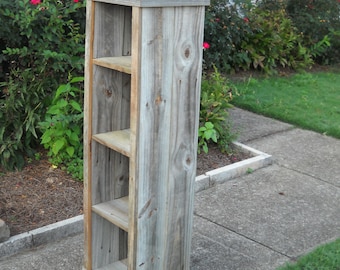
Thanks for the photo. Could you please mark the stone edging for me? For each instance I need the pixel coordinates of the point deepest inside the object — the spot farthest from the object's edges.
(43, 235)
(223, 174)
(72, 226)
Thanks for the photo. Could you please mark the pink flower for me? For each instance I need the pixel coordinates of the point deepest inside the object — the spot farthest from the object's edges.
(206, 45)
(246, 19)
(35, 2)
(218, 19)
(76, 1)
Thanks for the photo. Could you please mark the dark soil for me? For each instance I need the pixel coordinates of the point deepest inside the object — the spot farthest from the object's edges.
(41, 194)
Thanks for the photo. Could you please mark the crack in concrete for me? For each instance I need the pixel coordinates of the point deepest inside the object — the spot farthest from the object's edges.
(245, 236)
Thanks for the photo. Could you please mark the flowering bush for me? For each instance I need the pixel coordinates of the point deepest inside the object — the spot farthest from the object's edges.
(41, 42)
(225, 31)
(263, 34)
(316, 19)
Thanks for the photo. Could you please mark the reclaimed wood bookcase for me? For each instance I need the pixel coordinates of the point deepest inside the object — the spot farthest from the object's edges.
(142, 89)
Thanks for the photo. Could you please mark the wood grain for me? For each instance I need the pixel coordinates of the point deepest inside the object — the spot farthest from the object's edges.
(108, 109)
(159, 102)
(166, 106)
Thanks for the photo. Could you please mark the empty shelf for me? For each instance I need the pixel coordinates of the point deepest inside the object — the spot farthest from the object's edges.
(117, 140)
(115, 211)
(122, 63)
(120, 265)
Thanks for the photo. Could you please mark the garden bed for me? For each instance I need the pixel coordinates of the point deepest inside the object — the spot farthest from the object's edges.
(40, 194)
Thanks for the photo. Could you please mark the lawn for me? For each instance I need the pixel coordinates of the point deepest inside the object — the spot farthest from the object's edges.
(325, 257)
(307, 100)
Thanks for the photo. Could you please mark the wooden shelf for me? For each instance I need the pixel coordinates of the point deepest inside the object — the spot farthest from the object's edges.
(116, 140)
(120, 265)
(115, 211)
(122, 63)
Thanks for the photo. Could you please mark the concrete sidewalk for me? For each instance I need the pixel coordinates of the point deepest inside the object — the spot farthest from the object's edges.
(257, 221)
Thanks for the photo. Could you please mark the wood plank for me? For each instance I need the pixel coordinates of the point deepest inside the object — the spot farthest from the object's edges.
(110, 112)
(116, 140)
(157, 3)
(120, 265)
(112, 30)
(111, 246)
(115, 211)
(122, 64)
(88, 135)
(166, 77)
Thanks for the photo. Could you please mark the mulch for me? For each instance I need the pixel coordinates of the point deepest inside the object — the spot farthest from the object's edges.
(41, 194)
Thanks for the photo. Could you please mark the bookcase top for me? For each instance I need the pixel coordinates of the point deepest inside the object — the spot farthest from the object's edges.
(158, 3)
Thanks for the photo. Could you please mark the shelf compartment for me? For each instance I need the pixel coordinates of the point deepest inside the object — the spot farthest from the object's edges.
(116, 140)
(115, 211)
(122, 63)
(120, 265)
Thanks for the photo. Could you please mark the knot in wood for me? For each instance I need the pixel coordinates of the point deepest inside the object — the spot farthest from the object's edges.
(158, 100)
(108, 92)
(187, 53)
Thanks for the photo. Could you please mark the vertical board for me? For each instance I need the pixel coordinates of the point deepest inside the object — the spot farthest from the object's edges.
(110, 169)
(165, 104)
(110, 247)
(112, 30)
(108, 94)
(88, 135)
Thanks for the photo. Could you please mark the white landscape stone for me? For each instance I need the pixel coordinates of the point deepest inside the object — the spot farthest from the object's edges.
(4, 231)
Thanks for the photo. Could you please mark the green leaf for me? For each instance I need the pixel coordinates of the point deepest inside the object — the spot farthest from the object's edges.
(62, 103)
(208, 134)
(205, 148)
(75, 105)
(57, 146)
(70, 151)
(54, 110)
(77, 79)
(61, 89)
(209, 125)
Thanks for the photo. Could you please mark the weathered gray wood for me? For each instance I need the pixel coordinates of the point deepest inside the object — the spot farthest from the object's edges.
(111, 246)
(158, 3)
(110, 169)
(120, 265)
(112, 30)
(163, 120)
(166, 73)
(116, 140)
(88, 136)
(107, 109)
(115, 211)
(122, 63)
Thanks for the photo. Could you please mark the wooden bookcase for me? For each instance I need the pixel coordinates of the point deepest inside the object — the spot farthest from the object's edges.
(142, 89)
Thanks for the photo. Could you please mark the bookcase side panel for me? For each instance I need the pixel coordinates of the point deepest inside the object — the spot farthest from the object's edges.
(110, 112)
(166, 145)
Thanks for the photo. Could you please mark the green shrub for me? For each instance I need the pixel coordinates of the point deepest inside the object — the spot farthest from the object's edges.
(63, 128)
(214, 124)
(317, 19)
(40, 44)
(225, 31)
(274, 41)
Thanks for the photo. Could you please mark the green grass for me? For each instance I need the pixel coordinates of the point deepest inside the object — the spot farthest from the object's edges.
(307, 100)
(325, 257)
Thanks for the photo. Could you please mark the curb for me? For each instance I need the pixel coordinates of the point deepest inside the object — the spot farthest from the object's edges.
(72, 226)
(229, 172)
(43, 235)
